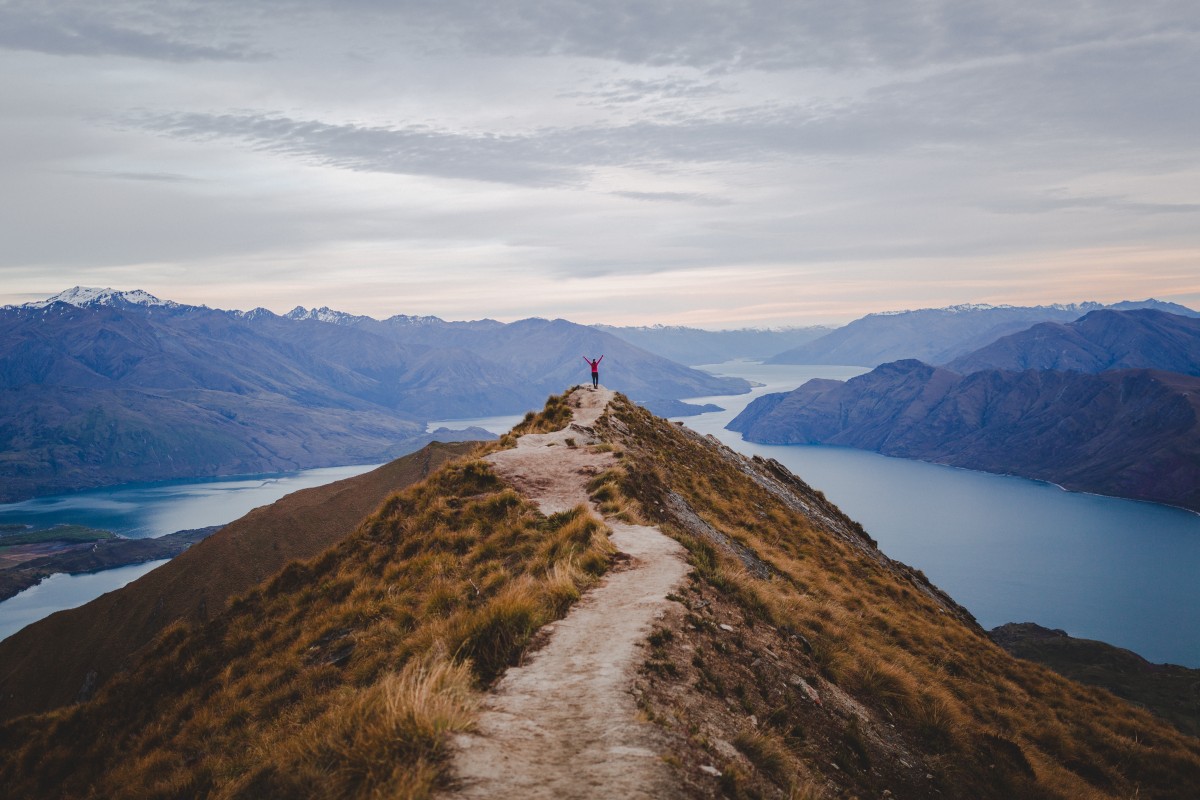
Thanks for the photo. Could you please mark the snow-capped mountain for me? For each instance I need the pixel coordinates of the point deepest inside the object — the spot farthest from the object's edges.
(84, 296)
(323, 314)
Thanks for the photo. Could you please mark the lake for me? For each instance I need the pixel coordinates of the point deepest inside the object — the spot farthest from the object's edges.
(65, 591)
(136, 511)
(142, 510)
(1009, 549)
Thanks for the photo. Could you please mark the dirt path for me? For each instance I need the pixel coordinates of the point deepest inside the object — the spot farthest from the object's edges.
(564, 725)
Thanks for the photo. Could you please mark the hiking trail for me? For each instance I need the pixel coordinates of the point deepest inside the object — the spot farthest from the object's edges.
(564, 724)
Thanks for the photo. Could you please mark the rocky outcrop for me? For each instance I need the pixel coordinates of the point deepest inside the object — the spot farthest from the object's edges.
(1130, 433)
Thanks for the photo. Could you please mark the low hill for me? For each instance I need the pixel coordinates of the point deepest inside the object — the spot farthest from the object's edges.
(1129, 433)
(1099, 341)
(1168, 690)
(796, 661)
(695, 346)
(938, 335)
(67, 655)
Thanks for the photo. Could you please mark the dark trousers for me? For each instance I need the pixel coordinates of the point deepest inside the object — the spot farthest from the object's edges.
(595, 379)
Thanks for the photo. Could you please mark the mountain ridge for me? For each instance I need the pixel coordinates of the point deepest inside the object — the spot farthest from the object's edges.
(128, 387)
(938, 335)
(1128, 433)
(1100, 340)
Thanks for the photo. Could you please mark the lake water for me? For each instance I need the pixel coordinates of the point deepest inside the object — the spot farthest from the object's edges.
(138, 511)
(62, 591)
(143, 510)
(1009, 549)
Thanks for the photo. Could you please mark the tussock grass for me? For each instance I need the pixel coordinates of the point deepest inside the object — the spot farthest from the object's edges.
(922, 671)
(385, 741)
(554, 416)
(340, 677)
(767, 752)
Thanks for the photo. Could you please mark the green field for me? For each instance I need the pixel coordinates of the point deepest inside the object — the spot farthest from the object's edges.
(59, 533)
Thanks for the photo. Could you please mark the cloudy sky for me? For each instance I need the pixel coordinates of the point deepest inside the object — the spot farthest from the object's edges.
(709, 162)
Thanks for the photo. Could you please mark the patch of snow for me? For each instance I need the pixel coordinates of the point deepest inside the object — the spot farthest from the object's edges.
(405, 319)
(254, 313)
(322, 314)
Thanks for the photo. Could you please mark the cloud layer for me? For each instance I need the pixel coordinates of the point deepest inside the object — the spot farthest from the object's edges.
(716, 162)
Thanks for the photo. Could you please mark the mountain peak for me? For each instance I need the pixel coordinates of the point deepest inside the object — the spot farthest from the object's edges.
(322, 314)
(85, 296)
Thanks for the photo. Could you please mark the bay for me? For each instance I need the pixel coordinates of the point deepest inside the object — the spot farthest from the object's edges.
(143, 510)
(61, 591)
(1007, 548)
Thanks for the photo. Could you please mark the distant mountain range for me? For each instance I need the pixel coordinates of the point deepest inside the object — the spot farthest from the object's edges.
(1126, 432)
(939, 335)
(100, 386)
(1101, 340)
(696, 346)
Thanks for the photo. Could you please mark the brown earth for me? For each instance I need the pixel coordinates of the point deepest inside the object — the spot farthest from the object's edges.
(565, 724)
(66, 656)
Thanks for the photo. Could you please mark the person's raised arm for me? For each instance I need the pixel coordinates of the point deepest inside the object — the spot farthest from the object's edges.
(598, 360)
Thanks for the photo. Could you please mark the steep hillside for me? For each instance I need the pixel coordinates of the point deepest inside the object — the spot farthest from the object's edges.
(1099, 341)
(100, 387)
(801, 661)
(796, 661)
(1129, 433)
(69, 654)
(935, 335)
(696, 346)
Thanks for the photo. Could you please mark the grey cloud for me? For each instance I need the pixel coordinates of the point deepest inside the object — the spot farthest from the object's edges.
(551, 156)
(784, 34)
(97, 30)
(676, 197)
(630, 90)
(1124, 101)
(414, 150)
(1047, 203)
(154, 177)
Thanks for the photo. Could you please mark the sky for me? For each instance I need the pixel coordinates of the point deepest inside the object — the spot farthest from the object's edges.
(709, 163)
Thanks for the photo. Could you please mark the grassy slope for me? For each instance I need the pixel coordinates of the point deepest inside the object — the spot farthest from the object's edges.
(1168, 690)
(907, 692)
(837, 672)
(45, 665)
(341, 676)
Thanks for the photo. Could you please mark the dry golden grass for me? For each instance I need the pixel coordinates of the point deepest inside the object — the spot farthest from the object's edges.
(919, 666)
(342, 676)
